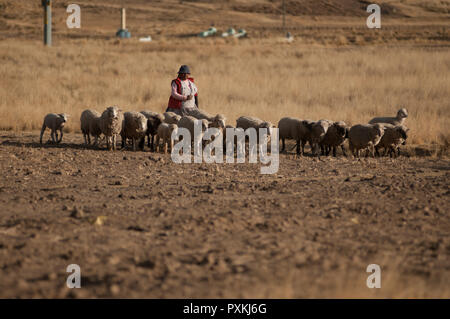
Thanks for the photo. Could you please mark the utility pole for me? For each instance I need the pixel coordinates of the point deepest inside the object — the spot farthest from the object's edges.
(47, 22)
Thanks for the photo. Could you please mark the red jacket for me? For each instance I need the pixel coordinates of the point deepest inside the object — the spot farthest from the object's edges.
(174, 103)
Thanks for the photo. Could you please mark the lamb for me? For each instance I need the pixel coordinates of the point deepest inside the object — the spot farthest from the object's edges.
(335, 137)
(217, 121)
(392, 138)
(188, 123)
(365, 136)
(153, 121)
(291, 128)
(111, 122)
(55, 122)
(171, 118)
(164, 132)
(90, 125)
(134, 127)
(402, 114)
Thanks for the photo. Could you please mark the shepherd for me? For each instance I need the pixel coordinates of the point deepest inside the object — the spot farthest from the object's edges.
(184, 96)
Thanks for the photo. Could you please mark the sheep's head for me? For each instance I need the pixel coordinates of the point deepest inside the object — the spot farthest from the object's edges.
(379, 129)
(219, 121)
(153, 123)
(141, 122)
(319, 129)
(205, 125)
(308, 124)
(62, 119)
(403, 131)
(113, 112)
(341, 129)
(402, 114)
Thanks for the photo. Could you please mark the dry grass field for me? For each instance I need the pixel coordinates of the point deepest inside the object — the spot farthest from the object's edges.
(225, 230)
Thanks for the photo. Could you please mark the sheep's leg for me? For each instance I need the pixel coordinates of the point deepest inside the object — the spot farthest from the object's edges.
(283, 145)
(376, 151)
(303, 146)
(165, 146)
(372, 150)
(124, 140)
(152, 144)
(343, 150)
(52, 134)
(88, 139)
(156, 145)
(398, 151)
(61, 135)
(334, 151)
(84, 136)
(297, 147)
(142, 143)
(133, 143)
(42, 133)
(95, 140)
(171, 144)
(148, 142)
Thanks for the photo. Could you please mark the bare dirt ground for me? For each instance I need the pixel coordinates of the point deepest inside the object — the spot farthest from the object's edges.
(139, 225)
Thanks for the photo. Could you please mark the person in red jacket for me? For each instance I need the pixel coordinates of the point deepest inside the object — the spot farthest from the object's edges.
(184, 96)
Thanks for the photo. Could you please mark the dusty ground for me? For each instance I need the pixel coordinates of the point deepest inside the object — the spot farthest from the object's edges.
(141, 226)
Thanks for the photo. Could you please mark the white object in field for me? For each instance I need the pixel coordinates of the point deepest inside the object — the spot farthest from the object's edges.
(241, 33)
(230, 31)
(289, 37)
(208, 33)
(146, 39)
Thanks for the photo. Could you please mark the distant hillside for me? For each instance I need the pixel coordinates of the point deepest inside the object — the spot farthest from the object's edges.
(181, 18)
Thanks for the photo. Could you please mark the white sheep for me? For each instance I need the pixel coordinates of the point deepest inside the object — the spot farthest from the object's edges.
(188, 123)
(171, 118)
(134, 127)
(217, 121)
(402, 114)
(314, 134)
(245, 122)
(164, 132)
(364, 136)
(153, 121)
(90, 125)
(292, 129)
(55, 122)
(392, 138)
(111, 122)
(335, 137)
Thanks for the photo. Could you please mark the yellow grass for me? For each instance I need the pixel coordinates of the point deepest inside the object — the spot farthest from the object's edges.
(267, 79)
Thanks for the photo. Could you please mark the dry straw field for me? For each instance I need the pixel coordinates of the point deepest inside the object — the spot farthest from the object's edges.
(268, 80)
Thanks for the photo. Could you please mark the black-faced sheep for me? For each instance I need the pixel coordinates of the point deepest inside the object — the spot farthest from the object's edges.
(392, 138)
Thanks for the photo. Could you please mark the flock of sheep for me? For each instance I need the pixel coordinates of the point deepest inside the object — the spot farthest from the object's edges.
(381, 132)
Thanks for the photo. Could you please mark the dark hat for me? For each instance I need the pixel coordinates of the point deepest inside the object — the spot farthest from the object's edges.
(184, 69)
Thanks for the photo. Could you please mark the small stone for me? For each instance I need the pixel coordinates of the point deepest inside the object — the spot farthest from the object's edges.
(77, 213)
(114, 289)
